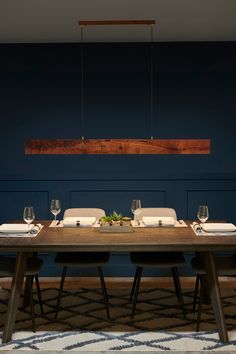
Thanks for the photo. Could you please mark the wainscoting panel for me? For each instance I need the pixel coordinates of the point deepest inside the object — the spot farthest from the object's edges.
(221, 203)
(13, 203)
(182, 194)
(118, 200)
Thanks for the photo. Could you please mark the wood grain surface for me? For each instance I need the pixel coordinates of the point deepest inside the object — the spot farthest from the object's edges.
(142, 239)
(116, 146)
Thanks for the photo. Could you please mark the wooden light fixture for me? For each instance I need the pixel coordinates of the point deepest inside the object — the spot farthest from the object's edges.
(116, 146)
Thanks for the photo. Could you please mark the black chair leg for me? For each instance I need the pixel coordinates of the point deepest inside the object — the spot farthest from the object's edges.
(104, 291)
(39, 293)
(196, 292)
(134, 285)
(206, 295)
(174, 276)
(26, 298)
(178, 289)
(136, 290)
(200, 302)
(30, 281)
(64, 271)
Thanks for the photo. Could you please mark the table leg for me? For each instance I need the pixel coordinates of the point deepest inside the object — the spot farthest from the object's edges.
(214, 291)
(13, 303)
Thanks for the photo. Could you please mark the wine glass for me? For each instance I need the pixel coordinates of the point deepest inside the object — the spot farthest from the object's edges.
(136, 209)
(203, 213)
(55, 208)
(28, 215)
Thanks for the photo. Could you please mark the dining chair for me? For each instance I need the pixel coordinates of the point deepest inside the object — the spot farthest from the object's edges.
(33, 266)
(83, 259)
(171, 260)
(225, 266)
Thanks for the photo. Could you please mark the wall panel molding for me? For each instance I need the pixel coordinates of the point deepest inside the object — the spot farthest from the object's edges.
(221, 202)
(118, 200)
(184, 195)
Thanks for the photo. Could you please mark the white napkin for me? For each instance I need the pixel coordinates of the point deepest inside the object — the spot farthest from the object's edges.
(196, 227)
(79, 221)
(19, 230)
(15, 228)
(218, 227)
(158, 221)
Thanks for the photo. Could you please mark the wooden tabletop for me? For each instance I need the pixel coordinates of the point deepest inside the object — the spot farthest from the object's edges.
(142, 239)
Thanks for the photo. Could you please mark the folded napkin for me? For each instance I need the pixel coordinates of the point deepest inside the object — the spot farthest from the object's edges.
(79, 221)
(158, 221)
(22, 230)
(218, 227)
(199, 231)
(15, 228)
(196, 227)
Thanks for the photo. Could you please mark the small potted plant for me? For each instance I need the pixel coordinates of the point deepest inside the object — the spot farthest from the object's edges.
(115, 222)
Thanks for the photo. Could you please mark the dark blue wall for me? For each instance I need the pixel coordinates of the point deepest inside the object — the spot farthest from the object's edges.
(194, 94)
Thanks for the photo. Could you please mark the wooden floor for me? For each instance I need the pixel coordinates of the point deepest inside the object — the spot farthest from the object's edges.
(118, 282)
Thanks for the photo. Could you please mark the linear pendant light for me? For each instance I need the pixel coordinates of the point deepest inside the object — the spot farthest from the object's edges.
(116, 146)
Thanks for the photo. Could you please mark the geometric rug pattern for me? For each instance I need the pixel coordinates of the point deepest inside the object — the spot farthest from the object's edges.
(82, 324)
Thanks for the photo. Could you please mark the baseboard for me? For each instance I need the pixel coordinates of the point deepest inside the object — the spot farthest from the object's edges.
(118, 282)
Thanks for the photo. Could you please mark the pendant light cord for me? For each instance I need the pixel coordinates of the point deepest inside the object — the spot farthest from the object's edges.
(151, 82)
(82, 82)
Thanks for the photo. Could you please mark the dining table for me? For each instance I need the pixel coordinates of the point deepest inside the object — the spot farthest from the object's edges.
(141, 239)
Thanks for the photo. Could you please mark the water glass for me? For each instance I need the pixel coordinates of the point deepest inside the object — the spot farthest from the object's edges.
(55, 208)
(136, 209)
(28, 215)
(203, 213)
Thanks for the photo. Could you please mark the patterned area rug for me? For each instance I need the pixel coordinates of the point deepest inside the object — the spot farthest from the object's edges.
(82, 324)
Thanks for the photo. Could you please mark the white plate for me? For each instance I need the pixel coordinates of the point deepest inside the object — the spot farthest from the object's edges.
(15, 228)
(218, 227)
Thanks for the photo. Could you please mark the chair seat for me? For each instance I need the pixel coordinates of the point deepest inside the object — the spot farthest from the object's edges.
(157, 259)
(7, 266)
(225, 265)
(82, 259)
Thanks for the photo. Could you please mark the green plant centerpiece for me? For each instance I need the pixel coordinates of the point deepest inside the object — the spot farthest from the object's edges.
(115, 219)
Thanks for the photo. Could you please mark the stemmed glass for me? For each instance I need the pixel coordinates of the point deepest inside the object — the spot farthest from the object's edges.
(28, 215)
(136, 209)
(203, 213)
(55, 208)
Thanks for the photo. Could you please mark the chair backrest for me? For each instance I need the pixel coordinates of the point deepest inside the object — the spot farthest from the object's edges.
(157, 212)
(96, 212)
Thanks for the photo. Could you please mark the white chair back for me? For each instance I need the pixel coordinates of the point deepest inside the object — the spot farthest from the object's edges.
(157, 212)
(92, 212)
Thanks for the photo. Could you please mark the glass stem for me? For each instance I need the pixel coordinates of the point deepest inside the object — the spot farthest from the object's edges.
(55, 217)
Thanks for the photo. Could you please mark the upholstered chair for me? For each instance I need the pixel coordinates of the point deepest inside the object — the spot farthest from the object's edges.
(160, 260)
(83, 259)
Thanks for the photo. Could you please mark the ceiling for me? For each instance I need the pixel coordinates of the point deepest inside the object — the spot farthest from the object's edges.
(45, 21)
